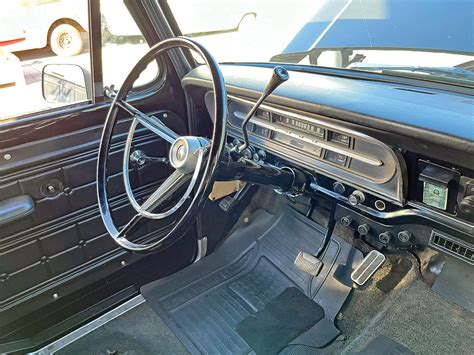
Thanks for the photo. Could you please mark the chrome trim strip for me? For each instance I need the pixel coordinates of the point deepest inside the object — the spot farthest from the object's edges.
(90, 327)
(468, 227)
(308, 119)
(202, 249)
(347, 152)
(291, 133)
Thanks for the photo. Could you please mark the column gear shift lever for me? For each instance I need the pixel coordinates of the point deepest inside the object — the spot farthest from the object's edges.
(279, 76)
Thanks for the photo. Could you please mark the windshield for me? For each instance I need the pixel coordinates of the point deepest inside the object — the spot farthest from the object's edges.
(424, 39)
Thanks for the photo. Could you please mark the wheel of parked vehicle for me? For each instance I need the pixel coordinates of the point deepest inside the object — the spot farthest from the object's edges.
(194, 159)
(66, 40)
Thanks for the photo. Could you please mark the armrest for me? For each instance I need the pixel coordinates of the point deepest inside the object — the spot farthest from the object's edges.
(16, 207)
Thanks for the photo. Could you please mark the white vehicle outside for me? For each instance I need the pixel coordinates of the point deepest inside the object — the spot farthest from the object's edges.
(59, 24)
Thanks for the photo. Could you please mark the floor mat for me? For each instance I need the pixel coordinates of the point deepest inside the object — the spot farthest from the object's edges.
(203, 304)
(386, 346)
(281, 321)
(456, 283)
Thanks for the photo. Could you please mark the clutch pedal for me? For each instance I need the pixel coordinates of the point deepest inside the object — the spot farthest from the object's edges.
(371, 263)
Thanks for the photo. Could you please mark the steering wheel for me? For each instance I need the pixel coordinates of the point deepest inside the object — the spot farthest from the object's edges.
(195, 159)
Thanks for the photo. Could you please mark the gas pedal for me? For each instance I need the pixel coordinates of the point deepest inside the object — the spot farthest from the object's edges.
(308, 263)
(371, 263)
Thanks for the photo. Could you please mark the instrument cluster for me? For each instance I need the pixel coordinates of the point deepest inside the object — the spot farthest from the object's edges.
(316, 143)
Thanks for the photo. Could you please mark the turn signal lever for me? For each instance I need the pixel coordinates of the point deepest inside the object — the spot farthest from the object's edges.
(280, 75)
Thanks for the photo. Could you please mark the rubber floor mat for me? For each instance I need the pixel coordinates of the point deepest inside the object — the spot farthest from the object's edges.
(281, 321)
(204, 303)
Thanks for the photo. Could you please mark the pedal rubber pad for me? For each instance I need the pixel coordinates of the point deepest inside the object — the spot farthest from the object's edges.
(308, 263)
(371, 263)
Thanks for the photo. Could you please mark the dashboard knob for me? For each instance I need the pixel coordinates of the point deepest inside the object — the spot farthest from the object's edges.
(385, 237)
(256, 157)
(404, 236)
(363, 229)
(261, 153)
(236, 143)
(338, 187)
(467, 204)
(247, 153)
(356, 198)
(346, 221)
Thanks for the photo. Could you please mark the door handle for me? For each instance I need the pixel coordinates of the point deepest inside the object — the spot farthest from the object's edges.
(16, 207)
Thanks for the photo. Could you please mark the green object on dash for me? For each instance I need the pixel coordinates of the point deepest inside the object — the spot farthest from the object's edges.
(435, 196)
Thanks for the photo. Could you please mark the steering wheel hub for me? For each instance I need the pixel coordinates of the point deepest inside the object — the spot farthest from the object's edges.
(184, 153)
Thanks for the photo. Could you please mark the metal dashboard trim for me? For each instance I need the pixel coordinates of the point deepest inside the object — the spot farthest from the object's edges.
(397, 195)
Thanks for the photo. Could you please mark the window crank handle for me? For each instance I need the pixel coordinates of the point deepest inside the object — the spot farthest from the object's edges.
(139, 158)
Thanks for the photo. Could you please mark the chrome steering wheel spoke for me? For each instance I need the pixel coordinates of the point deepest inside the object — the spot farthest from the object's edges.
(153, 123)
(166, 189)
(187, 170)
(129, 226)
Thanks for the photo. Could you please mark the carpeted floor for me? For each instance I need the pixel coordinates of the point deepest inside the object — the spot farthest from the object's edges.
(139, 331)
(409, 313)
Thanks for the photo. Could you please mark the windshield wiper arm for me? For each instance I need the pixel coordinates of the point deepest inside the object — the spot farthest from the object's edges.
(447, 74)
(296, 57)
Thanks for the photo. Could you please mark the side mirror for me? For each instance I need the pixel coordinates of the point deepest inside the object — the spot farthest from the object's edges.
(64, 83)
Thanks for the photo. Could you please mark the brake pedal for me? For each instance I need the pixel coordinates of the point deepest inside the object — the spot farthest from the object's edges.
(308, 263)
(371, 263)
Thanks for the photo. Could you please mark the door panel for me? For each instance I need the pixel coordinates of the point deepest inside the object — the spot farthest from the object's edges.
(64, 239)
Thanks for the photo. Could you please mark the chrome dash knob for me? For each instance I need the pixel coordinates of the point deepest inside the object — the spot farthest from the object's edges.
(357, 197)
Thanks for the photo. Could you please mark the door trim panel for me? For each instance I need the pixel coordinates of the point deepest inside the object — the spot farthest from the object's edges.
(65, 238)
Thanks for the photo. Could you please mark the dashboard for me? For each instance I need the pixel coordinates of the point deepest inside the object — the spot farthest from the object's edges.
(400, 180)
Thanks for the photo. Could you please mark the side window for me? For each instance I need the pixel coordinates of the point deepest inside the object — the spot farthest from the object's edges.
(44, 53)
(37, 35)
(122, 46)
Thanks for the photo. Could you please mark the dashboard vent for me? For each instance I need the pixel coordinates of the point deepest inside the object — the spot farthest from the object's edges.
(452, 246)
